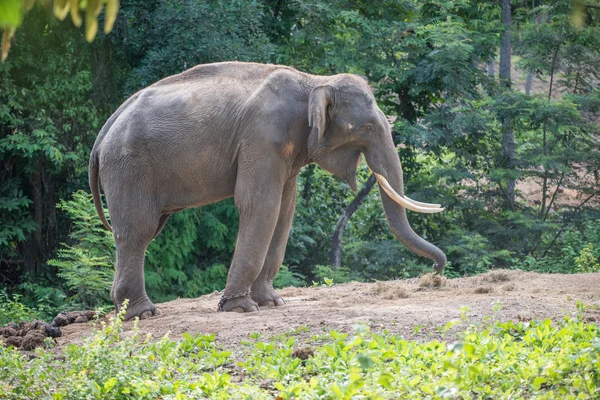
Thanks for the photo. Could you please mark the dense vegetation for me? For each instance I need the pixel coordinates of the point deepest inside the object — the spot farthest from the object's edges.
(533, 360)
(468, 139)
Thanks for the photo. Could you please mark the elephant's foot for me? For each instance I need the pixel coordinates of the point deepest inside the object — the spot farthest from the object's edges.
(238, 304)
(142, 308)
(266, 296)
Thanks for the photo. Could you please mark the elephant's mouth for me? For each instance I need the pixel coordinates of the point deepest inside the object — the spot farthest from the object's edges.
(405, 201)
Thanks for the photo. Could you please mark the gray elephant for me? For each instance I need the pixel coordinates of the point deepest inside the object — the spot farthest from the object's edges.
(239, 130)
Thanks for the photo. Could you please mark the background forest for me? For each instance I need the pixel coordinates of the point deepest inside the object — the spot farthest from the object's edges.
(495, 107)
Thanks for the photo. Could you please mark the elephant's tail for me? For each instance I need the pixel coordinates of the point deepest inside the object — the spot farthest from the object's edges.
(94, 165)
(93, 171)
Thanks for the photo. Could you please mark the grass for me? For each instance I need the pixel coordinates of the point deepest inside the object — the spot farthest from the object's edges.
(432, 281)
(497, 276)
(541, 360)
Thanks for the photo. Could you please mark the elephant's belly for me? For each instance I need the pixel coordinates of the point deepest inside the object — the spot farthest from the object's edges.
(198, 183)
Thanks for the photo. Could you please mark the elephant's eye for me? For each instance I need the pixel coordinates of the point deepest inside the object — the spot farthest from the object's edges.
(369, 128)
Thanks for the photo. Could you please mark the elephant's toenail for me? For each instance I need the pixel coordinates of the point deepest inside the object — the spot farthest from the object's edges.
(146, 315)
(156, 312)
(279, 302)
(238, 309)
(252, 309)
(269, 303)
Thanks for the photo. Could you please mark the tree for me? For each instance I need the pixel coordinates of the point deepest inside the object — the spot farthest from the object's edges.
(47, 125)
(12, 13)
(508, 135)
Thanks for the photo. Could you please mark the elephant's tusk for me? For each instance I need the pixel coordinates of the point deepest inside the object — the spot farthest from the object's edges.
(402, 200)
(420, 204)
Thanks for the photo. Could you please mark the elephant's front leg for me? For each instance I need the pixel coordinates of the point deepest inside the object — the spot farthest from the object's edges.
(258, 200)
(262, 289)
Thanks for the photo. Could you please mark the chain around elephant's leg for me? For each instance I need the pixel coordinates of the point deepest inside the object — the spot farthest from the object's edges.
(258, 200)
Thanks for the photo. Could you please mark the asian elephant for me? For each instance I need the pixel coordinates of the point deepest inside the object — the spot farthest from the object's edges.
(239, 130)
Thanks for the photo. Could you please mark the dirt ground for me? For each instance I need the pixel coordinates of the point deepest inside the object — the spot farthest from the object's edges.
(414, 309)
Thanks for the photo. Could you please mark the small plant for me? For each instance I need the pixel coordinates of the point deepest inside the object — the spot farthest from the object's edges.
(12, 310)
(586, 261)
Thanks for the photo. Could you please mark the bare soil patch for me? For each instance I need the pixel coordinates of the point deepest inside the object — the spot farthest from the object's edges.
(403, 307)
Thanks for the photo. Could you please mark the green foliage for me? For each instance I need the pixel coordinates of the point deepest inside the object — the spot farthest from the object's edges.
(586, 261)
(12, 13)
(87, 265)
(16, 220)
(191, 239)
(287, 277)
(13, 310)
(562, 255)
(46, 299)
(537, 360)
(205, 281)
(329, 275)
(47, 124)
(200, 32)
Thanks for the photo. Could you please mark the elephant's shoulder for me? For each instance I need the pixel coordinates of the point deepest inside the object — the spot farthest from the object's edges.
(285, 81)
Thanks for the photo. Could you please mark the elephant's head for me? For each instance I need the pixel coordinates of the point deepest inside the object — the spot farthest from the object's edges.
(346, 123)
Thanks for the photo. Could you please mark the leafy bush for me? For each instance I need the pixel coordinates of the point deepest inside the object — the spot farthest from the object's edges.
(586, 261)
(334, 275)
(46, 299)
(87, 265)
(571, 252)
(382, 260)
(12, 310)
(536, 360)
(189, 257)
(286, 277)
(205, 281)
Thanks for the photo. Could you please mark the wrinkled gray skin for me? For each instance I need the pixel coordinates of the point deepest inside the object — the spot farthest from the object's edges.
(239, 130)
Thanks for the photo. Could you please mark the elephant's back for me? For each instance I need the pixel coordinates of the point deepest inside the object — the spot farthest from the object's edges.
(223, 72)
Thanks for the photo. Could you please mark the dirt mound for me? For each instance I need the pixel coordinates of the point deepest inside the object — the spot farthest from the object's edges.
(409, 308)
(29, 335)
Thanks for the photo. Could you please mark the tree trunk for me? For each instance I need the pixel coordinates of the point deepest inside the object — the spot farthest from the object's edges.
(508, 135)
(492, 67)
(336, 243)
(528, 82)
(529, 78)
(545, 137)
(505, 49)
(33, 246)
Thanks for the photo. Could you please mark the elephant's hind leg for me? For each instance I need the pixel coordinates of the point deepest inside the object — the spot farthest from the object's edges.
(262, 288)
(135, 223)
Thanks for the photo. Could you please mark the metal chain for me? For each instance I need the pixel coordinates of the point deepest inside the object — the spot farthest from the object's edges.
(224, 298)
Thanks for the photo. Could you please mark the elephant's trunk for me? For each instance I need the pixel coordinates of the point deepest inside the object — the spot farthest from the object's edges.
(387, 165)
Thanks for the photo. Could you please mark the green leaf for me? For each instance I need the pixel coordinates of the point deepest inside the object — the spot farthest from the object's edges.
(110, 384)
(11, 13)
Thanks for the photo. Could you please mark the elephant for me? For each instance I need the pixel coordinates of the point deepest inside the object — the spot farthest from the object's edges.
(241, 130)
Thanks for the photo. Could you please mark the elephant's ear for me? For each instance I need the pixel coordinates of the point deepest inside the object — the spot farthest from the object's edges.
(320, 98)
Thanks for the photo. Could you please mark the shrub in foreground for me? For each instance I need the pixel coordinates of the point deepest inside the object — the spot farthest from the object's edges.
(540, 360)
